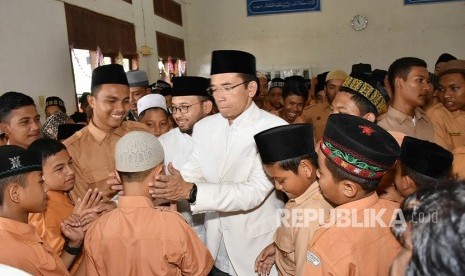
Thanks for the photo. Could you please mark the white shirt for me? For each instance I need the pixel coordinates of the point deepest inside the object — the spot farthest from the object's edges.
(178, 147)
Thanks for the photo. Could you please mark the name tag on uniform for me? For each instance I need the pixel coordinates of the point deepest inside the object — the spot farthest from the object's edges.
(455, 134)
(313, 259)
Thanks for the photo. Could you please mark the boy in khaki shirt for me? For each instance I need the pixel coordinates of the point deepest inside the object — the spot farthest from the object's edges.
(353, 156)
(289, 158)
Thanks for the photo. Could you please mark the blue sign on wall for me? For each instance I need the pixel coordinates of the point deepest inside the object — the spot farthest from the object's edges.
(258, 7)
(409, 2)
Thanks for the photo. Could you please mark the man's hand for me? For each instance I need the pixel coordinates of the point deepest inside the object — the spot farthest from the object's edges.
(91, 199)
(265, 260)
(72, 230)
(170, 187)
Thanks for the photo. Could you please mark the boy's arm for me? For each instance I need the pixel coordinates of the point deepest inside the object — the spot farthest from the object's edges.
(72, 230)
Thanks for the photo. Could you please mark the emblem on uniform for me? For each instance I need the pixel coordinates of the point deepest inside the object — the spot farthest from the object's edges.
(313, 259)
(15, 162)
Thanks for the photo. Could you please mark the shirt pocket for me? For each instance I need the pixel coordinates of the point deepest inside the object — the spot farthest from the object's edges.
(286, 248)
(96, 175)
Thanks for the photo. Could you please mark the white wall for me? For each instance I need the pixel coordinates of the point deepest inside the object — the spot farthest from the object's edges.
(325, 40)
(34, 50)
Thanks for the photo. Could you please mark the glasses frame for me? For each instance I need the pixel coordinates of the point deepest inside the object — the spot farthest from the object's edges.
(224, 89)
(174, 109)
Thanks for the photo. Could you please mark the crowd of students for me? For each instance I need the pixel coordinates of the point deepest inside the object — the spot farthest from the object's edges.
(344, 174)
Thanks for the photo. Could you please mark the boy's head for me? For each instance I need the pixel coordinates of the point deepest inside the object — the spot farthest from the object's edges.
(153, 113)
(333, 82)
(354, 154)
(109, 98)
(58, 169)
(138, 87)
(295, 95)
(138, 155)
(421, 164)
(408, 78)
(360, 96)
(275, 93)
(19, 119)
(54, 105)
(21, 184)
(289, 157)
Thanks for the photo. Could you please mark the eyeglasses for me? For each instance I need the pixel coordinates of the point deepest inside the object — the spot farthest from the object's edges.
(224, 89)
(183, 108)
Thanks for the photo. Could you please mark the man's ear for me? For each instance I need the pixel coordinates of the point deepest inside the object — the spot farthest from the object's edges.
(252, 88)
(307, 168)
(408, 183)
(14, 193)
(91, 100)
(399, 82)
(5, 128)
(370, 117)
(207, 107)
(349, 189)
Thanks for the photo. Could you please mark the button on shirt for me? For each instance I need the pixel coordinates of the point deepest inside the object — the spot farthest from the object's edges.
(138, 239)
(93, 153)
(418, 126)
(292, 239)
(23, 248)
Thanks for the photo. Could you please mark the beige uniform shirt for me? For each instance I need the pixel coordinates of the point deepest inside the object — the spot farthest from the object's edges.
(449, 128)
(367, 249)
(458, 165)
(279, 113)
(317, 115)
(394, 120)
(292, 239)
(93, 153)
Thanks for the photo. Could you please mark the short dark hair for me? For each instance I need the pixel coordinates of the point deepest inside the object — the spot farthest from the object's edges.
(134, 176)
(401, 68)
(292, 164)
(368, 185)
(46, 147)
(422, 181)
(295, 88)
(94, 90)
(12, 100)
(362, 103)
(437, 240)
(19, 178)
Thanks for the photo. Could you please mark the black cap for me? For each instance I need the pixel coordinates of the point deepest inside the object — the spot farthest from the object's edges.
(445, 58)
(16, 160)
(190, 86)
(425, 157)
(54, 101)
(109, 74)
(162, 87)
(361, 68)
(232, 61)
(285, 142)
(358, 146)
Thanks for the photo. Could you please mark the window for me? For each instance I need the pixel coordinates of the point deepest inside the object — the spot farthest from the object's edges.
(169, 10)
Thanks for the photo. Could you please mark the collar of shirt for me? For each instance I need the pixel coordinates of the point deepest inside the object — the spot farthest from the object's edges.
(456, 114)
(357, 205)
(402, 117)
(100, 135)
(311, 191)
(26, 231)
(242, 117)
(135, 202)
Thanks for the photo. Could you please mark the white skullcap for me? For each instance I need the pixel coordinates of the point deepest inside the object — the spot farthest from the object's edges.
(151, 101)
(138, 151)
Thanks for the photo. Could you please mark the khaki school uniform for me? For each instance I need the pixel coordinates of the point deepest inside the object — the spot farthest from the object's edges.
(449, 128)
(317, 115)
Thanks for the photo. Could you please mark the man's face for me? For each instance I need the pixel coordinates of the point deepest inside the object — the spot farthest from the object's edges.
(294, 185)
(453, 88)
(233, 102)
(22, 126)
(331, 88)
(50, 110)
(110, 105)
(276, 97)
(293, 107)
(59, 173)
(343, 104)
(195, 112)
(135, 93)
(157, 121)
(33, 194)
(414, 90)
(330, 189)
